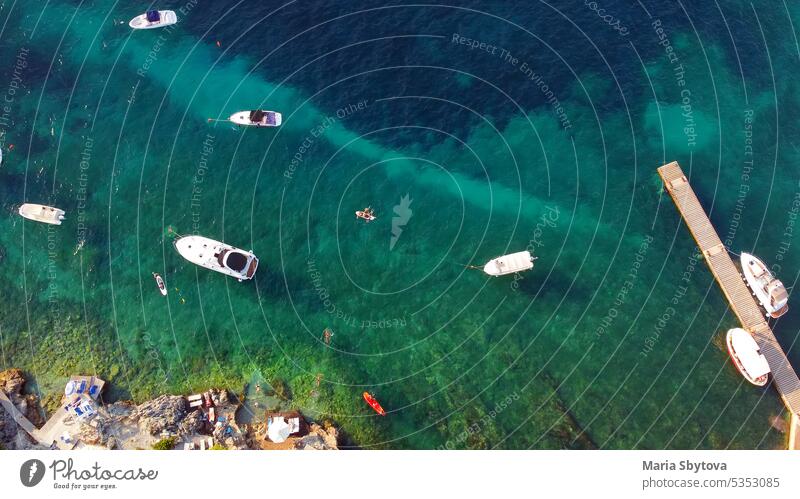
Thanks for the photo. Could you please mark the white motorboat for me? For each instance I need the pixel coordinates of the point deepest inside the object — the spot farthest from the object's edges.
(217, 256)
(768, 290)
(42, 213)
(154, 19)
(257, 117)
(747, 356)
(509, 264)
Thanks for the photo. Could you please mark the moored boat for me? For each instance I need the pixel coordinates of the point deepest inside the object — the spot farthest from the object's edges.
(42, 213)
(509, 264)
(257, 117)
(160, 283)
(747, 356)
(154, 19)
(217, 256)
(369, 399)
(769, 291)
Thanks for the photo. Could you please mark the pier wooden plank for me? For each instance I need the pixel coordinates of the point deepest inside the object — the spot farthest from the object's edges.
(730, 281)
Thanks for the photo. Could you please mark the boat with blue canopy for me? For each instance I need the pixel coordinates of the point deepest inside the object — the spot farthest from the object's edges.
(154, 19)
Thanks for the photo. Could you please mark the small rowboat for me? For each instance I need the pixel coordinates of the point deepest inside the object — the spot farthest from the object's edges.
(160, 283)
(747, 356)
(374, 404)
(509, 264)
(154, 19)
(42, 213)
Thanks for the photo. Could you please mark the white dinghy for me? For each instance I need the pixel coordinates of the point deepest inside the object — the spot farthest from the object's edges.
(217, 256)
(154, 19)
(42, 213)
(509, 264)
(747, 356)
(768, 290)
(257, 117)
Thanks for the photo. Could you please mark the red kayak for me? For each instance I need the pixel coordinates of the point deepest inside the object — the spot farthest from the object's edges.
(374, 404)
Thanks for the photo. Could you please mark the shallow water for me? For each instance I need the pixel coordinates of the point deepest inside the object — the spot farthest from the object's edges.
(614, 340)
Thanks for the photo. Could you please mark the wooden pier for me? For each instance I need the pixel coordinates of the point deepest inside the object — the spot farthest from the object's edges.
(735, 290)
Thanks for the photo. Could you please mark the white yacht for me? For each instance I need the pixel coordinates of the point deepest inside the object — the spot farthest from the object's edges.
(768, 290)
(217, 256)
(257, 117)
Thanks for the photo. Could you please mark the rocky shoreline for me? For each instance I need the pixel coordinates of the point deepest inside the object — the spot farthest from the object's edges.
(167, 421)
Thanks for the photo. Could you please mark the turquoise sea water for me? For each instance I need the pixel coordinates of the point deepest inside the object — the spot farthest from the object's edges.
(544, 135)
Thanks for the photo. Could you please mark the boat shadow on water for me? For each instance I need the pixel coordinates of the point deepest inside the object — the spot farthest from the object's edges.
(557, 285)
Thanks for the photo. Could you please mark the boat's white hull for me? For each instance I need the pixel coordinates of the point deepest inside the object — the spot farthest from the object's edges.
(746, 341)
(168, 17)
(243, 118)
(757, 276)
(42, 213)
(509, 264)
(204, 252)
(160, 283)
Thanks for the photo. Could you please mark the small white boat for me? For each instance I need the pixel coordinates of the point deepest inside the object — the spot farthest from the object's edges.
(768, 290)
(747, 356)
(160, 283)
(42, 213)
(154, 19)
(217, 256)
(509, 264)
(257, 117)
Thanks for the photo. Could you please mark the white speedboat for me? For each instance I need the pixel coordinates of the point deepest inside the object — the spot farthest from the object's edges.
(509, 264)
(42, 213)
(154, 19)
(257, 117)
(747, 356)
(217, 256)
(768, 290)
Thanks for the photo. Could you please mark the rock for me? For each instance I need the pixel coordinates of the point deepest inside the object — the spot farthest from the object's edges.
(111, 443)
(195, 422)
(311, 442)
(12, 381)
(162, 413)
(21, 404)
(331, 438)
(319, 438)
(92, 435)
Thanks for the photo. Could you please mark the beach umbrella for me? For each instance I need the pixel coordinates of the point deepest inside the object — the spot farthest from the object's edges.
(278, 430)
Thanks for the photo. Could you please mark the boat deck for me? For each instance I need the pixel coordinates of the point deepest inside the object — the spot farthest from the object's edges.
(733, 287)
